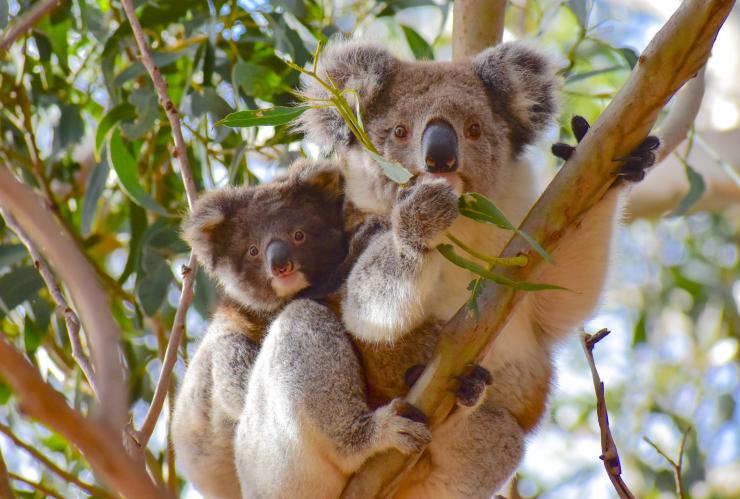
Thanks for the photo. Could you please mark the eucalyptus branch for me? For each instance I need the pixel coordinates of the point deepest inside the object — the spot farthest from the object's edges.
(677, 466)
(674, 55)
(73, 268)
(675, 128)
(609, 454)
(26, 22)
(63, 309)
(47, 463)
(100, 444)
(46, 491)
(186, 297)
(476, 25)
(6, 492)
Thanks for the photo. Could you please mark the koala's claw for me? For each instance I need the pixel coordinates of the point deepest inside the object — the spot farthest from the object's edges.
(407, 424)
(639, 160)
(635, 163)
(472, 384)
(412, 374)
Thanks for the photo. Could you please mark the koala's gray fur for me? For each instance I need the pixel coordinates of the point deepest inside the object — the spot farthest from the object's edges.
(400, 283)
(251, 387)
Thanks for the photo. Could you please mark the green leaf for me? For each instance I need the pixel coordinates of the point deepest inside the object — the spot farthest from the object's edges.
(639, 334)
(32, 336)
(93, 191)
(629, 55)
(161, 59)
(125, 166)
(5, 393)
(17, 286)
(274, 116)
(208, 102)
(419, 47)
(4, 13)
(137, 227)
(475, 287)
(151, 290)
(70, 129)
(255, 80)
(480, 208)
(448, 252)
(697, 186)
(588, 74)
(10, 254)
(43, 45)
(144, 99)
(582, 10)
(392, 169)
(121, 112)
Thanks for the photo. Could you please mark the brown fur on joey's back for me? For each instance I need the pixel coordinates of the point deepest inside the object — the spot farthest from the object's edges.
(230, 229)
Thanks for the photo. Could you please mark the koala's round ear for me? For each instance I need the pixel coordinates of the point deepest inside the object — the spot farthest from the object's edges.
(351, 64)
(202, 228)
(325, 175)
(521, 82)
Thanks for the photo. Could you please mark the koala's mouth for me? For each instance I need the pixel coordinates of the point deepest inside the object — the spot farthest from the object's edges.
(452, 178)
(289, 284)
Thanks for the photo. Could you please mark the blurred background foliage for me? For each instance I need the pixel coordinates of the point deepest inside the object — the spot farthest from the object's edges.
(80, 121)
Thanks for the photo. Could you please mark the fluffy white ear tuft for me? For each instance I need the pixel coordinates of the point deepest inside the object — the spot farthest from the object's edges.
(522, 84)
(351, 64)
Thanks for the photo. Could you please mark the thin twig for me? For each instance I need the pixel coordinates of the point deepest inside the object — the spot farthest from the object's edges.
(677, 466)
(6, 492)
(26, 22)
(63, 308)
(67, 477)
(609, 455)
(100, 444)
(37, 486)
(186, 297)
(90, 301)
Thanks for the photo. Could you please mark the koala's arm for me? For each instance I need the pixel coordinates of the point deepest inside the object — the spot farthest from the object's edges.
(387, 287)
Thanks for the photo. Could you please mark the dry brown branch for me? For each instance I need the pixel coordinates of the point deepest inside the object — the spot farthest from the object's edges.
(677, 466)
(59, 249)
(26, 22)
(46, 491)
(63, 309)
(674, 55)
(67, 477)
(6, 492)
(178, 328)
(609, 453)
(476, 25)
(100, 444)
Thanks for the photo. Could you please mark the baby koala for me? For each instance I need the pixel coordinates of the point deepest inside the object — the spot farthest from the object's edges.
(267, 246)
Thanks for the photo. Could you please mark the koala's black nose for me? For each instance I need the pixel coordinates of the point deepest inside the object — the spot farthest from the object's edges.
(279, 258)
(439, 147)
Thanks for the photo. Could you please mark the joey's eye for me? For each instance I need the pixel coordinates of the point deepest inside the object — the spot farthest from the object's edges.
(253, 251)
(400, 131)
(299, 236)
(473, 131)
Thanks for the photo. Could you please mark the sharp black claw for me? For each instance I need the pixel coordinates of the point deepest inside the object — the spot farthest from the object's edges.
(580, 127)
(651, 143)
(563, 151)
(412, 374)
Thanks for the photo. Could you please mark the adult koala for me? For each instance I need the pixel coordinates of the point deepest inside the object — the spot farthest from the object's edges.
(457, 126)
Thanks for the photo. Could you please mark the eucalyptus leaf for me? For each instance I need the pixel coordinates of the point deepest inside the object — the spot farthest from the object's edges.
(697, 186)
(419, 47)
(10, 254)
(392, 169)
(121, 112)
(17, 286)
(125, 167)
(93, 190)
(273, 116)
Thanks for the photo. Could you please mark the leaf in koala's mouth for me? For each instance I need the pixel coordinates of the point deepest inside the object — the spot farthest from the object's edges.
(392, 169)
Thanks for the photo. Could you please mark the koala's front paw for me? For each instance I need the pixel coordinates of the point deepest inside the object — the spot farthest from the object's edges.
(635, 163)
(424, 212)
(472, 384)
(404, 426)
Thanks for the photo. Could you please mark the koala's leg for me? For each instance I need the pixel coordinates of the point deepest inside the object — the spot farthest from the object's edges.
(306, 423)
(207, 408)
(388, 286)
(471, 456)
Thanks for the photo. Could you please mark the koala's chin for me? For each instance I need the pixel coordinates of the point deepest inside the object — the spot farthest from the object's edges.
(289, 285)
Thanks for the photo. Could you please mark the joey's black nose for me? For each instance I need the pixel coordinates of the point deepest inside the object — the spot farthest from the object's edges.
(439, 147)
(279, 258)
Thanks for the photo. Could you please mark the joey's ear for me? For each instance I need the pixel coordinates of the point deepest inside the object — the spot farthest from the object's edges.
(521, 82)
(203, 228)
(323, 174)
(351, 64)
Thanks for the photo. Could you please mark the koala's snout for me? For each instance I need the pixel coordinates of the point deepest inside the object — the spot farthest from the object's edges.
(279, 258)
(439, 147)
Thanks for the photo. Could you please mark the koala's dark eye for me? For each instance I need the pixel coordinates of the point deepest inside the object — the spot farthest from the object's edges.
(400, 131)
(253, 251)
(473, 131)
(299, 236)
